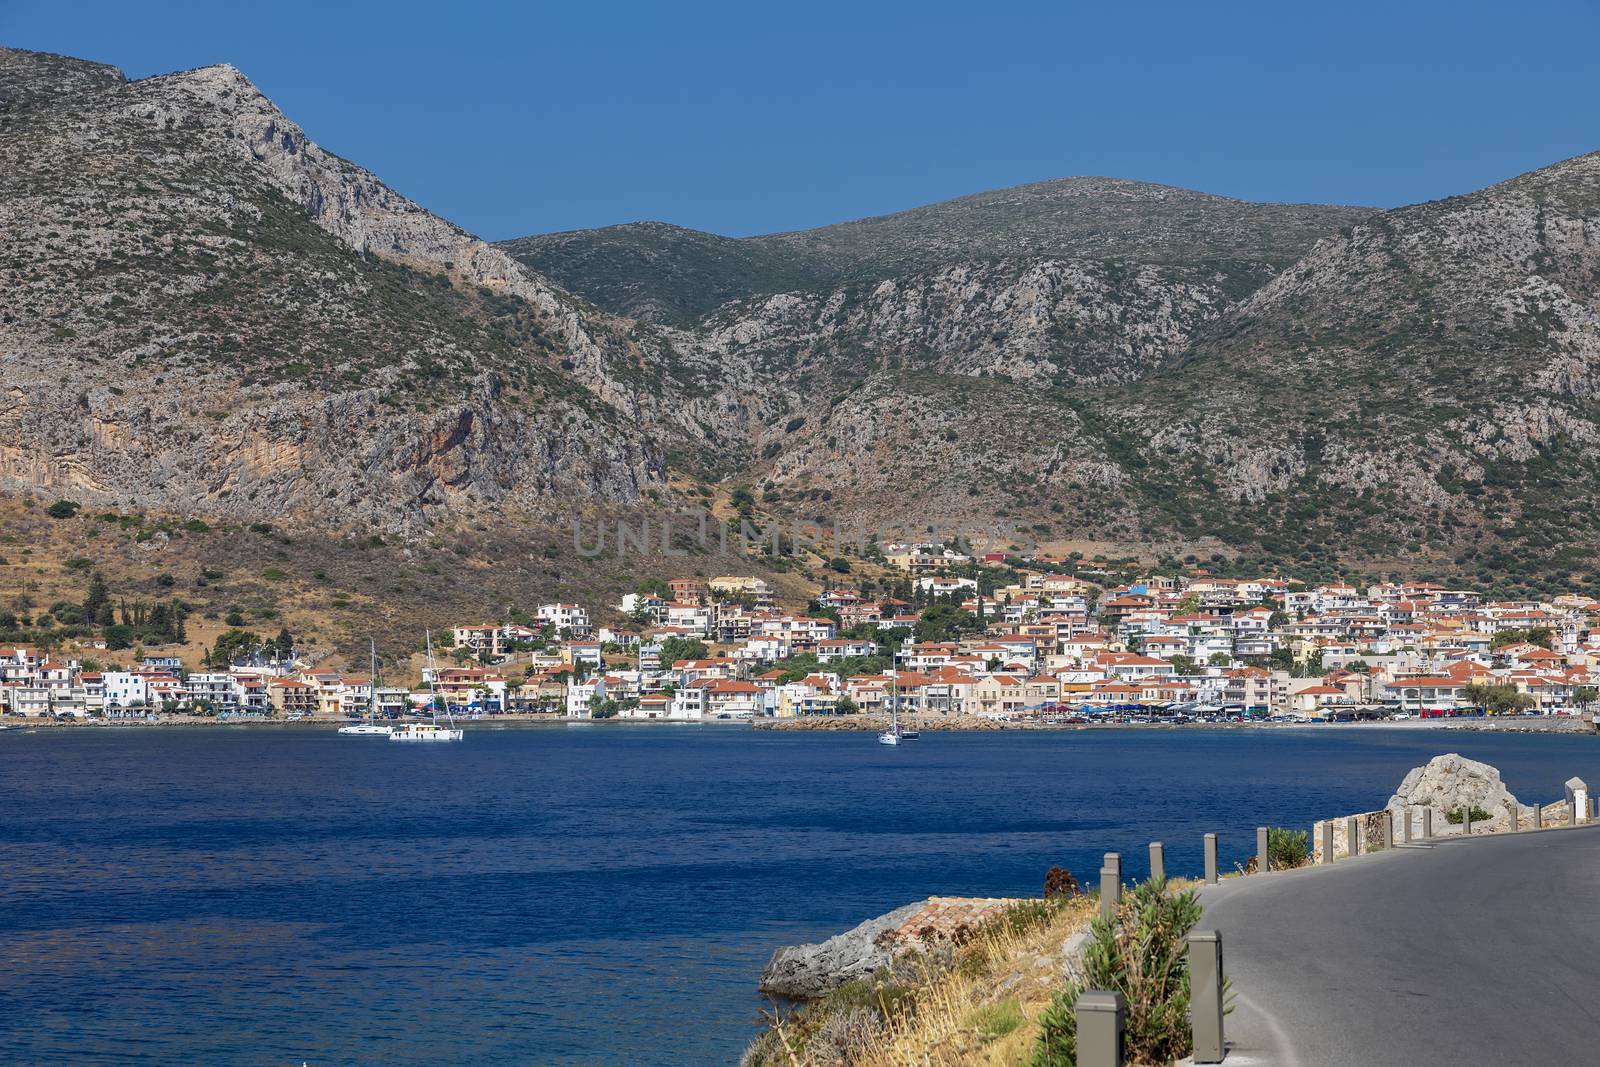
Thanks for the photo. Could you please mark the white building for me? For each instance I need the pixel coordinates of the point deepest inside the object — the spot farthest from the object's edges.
(125, 689)
(568, 617)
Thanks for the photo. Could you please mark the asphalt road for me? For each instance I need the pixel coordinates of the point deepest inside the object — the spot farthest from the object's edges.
(1484, 950)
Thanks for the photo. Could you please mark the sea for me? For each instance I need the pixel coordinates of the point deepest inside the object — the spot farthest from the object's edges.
(574, 894)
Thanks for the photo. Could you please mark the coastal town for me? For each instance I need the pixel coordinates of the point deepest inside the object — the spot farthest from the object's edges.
(998, 638)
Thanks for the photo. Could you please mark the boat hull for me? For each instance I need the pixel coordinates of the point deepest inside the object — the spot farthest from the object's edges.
(426, 734)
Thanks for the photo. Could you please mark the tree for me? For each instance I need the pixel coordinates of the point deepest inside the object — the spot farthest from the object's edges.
(97, 597)
(62, 509)
(844, 706)
(1497, 698)
(1533, 635)
(283, 644)
(1585, 695)
(940, 622)
(232, 645)
(674, 649)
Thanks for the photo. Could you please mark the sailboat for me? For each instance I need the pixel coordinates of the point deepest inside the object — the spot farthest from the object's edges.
(894, 734)
(370, 728)
(430, 731)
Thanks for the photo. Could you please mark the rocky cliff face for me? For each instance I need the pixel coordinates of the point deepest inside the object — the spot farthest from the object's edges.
(1421, 384)
(205, 311)
(209, 313)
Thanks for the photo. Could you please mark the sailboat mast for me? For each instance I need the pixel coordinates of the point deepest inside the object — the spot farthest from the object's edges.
(894, 699)
(372, 679)
(433, 689)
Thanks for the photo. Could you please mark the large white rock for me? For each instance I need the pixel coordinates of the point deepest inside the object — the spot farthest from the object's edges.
(1452, 781)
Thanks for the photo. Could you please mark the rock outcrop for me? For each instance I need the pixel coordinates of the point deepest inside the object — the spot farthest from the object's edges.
(1450, 782)
(805, 972)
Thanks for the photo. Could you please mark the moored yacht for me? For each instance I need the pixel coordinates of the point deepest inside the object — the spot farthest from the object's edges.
(370, 728)
(365, 729)
(894, 734)
(425, 731)
(429, 731)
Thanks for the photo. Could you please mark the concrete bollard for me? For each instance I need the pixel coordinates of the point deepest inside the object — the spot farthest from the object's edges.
(1388, 829)
(1205, 995)
(1427, 824)
(1538, 815)
(1405, 832)
(1327, 840)
(1513, 812)
(1211, 859)
(1158, 861)
(1110, 885)
(1100, 1028)
(1466, 819)
(1352, 836)
(1577, 801)
(1263, 851)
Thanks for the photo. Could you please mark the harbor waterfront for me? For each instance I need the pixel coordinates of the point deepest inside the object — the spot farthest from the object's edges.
(574, 894)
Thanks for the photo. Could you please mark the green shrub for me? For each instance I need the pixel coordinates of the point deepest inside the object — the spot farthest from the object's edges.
(62, 509)
(1455, 815)
(1142, 955)
(1287, 848)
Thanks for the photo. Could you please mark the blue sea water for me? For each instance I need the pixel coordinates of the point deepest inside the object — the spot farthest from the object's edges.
(601, 894)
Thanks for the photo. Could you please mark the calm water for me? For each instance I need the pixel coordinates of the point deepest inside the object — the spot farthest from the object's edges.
(569, 895)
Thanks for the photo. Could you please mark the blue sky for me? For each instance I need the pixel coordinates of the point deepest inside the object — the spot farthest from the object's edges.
(753, 117)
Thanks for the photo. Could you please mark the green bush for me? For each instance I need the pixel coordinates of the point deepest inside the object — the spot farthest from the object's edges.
(1287, 848)
(62, 509)
(1455, 815)
(1141, 954)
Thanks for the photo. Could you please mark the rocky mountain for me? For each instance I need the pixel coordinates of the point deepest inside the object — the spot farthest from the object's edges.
(205, 312)
(208, 312)
(668, 274)
(1422, 384)
(1109, 360)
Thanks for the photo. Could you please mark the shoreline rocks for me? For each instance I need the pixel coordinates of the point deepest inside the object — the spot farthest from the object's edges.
(811, 971)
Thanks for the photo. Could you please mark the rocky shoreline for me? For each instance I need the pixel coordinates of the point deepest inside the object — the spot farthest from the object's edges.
(871, 722)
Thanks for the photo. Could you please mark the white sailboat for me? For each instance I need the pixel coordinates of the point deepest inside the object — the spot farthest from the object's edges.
(893, 735)
(370, 728)
(429, 731)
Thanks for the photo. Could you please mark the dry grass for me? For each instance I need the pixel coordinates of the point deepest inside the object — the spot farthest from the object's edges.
(332, 589)
(983, 1012)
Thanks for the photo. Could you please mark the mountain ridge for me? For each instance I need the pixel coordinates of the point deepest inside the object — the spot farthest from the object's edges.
(1036, 225)
(209, 313)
